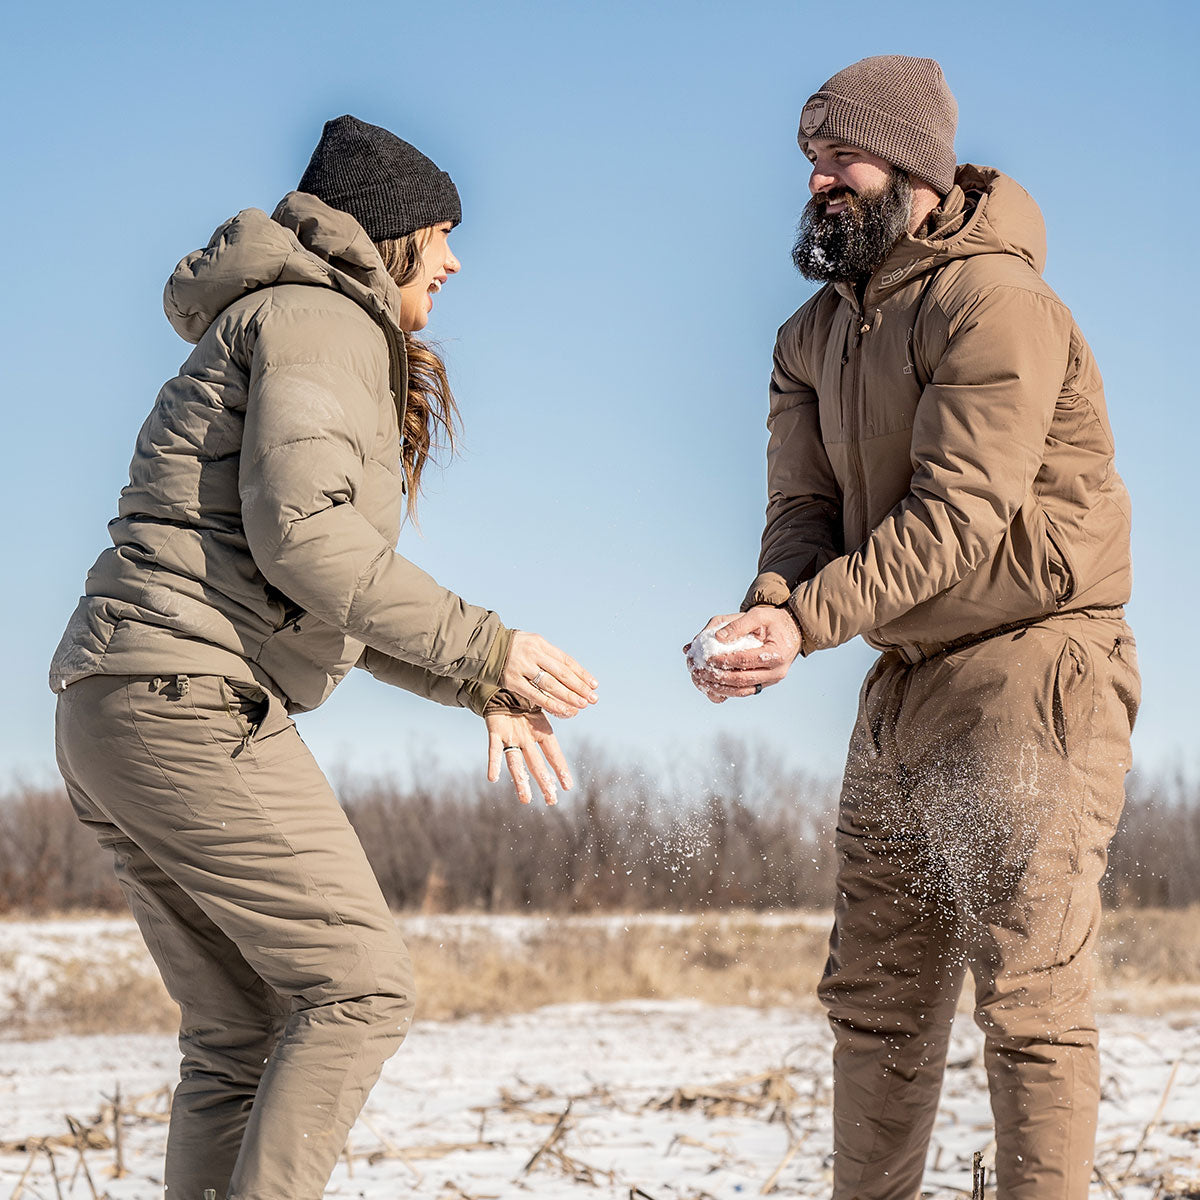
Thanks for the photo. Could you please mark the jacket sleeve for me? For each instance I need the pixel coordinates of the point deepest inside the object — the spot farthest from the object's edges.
(481, 698)
(978, 442)
(316, 375)
(803, 499)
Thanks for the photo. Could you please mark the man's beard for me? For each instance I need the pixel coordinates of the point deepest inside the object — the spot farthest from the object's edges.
(851, 245)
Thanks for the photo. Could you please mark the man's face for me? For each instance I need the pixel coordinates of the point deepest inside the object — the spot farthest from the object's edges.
(860, 208)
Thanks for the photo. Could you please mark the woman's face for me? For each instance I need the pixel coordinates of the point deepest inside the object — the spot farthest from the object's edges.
(437, 265)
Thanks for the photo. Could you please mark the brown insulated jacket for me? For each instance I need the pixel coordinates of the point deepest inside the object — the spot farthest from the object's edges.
(940, 461)
(256, 536)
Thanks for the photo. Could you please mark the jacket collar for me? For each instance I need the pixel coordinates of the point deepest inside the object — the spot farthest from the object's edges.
(985, 212)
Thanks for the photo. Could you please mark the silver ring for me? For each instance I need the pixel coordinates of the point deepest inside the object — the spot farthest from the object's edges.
(758, 687)
(537, 679)
(508, 748)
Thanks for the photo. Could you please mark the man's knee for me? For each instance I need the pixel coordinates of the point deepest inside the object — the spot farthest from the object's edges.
(1025, 1016)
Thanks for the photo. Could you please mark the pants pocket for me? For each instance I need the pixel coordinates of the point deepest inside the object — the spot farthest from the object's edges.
(247, 704)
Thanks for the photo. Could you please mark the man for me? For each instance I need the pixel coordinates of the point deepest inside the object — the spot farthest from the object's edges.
(941, 482)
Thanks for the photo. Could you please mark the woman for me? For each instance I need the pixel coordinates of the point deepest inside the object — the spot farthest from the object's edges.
(252, 567)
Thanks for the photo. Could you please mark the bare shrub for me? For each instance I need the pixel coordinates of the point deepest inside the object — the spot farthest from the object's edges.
(756, 837)
(1152, 860)
(747, 832)
(51, 861)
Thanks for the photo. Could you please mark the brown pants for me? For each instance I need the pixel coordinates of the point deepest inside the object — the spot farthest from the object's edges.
(257, 902)
(980, 794)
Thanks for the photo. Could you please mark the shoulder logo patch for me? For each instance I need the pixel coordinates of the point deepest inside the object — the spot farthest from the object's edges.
(813, 115)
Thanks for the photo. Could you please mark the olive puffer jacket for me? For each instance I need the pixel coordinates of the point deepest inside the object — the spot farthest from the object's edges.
(256, 536)
(940, 461)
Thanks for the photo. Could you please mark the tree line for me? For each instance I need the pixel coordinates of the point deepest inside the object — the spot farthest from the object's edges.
(752, 833)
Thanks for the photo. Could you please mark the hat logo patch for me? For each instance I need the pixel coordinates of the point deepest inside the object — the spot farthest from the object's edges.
(813, 115)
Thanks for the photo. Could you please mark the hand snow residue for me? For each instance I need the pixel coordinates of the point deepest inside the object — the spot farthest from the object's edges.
(706, 647)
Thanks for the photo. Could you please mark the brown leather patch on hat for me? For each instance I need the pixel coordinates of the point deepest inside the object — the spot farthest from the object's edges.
(813, 115)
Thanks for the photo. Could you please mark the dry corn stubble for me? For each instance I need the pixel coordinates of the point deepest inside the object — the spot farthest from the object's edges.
(1149, 960)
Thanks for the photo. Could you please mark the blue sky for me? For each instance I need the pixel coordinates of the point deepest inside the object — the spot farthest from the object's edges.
(630, 184)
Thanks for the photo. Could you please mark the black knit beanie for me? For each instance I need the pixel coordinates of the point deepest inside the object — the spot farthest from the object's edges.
(389, 187)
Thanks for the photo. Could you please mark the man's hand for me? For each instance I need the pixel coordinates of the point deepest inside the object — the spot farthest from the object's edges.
(746, 672)
(525, 743)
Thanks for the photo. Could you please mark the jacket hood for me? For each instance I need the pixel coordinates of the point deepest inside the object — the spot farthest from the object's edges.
(985, 212)
(304, 241)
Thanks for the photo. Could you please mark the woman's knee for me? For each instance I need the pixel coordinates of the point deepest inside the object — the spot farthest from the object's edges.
(233, 1052)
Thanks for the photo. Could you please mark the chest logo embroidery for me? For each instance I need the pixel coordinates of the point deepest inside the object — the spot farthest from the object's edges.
(896, 275)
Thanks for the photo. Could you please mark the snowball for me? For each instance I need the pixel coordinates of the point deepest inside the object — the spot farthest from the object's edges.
(706, 647)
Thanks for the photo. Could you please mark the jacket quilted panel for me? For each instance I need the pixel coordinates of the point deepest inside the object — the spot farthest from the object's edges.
(256, 536)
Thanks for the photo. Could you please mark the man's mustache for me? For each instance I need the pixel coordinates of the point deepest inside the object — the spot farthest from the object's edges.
(821, 199)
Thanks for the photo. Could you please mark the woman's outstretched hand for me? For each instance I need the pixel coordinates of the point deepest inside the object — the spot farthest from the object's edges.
(542, 674)
(526, 745)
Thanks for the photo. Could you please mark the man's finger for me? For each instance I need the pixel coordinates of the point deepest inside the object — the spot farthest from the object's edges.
(741, 626)
(494, 755)
(744, 660)
(717, 693)
(712, 676)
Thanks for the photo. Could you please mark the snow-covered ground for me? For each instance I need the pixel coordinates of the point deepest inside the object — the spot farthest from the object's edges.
(666, 1100)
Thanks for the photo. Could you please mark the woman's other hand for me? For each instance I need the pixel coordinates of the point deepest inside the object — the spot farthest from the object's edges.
(526, 744)
(542, 674)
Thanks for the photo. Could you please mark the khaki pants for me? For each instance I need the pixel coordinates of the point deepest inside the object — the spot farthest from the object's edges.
(257, 902)
(980, 794)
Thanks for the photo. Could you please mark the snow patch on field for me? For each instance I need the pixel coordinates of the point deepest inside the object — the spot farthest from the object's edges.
(635, 1076)
(680, 1100)
(32, 952)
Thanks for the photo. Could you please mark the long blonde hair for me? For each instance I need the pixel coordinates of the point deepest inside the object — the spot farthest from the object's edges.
(431, 418)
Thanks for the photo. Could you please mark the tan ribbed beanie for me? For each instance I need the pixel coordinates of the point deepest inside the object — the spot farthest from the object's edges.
(894, 106)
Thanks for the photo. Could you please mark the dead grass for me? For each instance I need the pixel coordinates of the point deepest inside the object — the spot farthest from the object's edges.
(1148, 960)
(82, 997)
(732, 960)
(1151, 947)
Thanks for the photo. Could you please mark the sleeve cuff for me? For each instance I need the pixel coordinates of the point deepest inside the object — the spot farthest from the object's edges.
(769, 588)
(807, 642)
(504, 701)
(479, 692)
